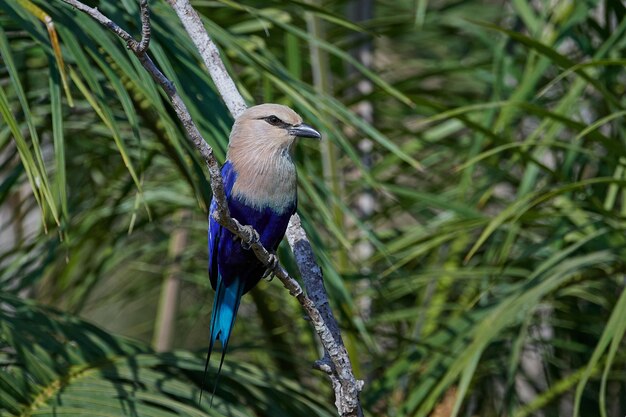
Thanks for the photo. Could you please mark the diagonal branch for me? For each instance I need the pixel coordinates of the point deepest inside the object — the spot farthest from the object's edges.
(335, 362)
(210, 56)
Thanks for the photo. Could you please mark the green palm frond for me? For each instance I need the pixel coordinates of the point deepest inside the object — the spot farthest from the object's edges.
(56, 364)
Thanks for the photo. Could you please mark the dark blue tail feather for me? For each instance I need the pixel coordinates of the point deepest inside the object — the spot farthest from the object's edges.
(225, 306)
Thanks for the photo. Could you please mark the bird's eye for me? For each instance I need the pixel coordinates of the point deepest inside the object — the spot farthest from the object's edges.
(273, 120)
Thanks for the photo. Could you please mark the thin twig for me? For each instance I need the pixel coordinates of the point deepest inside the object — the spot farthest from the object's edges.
(102, 19)
(336, 362)
(145, 27)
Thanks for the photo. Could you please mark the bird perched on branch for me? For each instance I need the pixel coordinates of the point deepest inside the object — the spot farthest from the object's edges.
(260, 184)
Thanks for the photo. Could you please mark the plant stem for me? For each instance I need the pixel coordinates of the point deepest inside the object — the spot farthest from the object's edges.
(164, 328)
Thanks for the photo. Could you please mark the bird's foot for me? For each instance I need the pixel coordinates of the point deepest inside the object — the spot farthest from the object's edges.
(268, 275)
(252, 236)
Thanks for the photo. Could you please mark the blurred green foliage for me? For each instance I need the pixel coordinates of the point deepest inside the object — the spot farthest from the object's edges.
(492, 279)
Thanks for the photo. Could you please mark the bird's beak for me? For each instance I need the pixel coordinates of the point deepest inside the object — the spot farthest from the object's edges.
(304, 131)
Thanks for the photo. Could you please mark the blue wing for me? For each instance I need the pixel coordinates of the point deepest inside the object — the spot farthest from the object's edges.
(215, 230)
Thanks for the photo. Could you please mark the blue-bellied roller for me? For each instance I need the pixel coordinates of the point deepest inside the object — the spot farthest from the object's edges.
(260, 184)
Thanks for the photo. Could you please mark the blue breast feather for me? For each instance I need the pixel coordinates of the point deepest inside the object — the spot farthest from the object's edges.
(227, 258)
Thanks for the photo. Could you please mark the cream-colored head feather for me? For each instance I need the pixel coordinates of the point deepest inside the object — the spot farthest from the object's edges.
(260, 152)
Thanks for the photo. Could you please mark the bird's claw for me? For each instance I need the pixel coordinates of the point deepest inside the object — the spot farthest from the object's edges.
(252, 236)
(268, 275)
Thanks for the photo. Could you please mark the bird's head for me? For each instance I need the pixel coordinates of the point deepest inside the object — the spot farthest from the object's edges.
(269, 126)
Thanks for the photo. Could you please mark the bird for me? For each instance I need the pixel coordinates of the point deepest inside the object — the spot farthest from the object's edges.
(260, 183)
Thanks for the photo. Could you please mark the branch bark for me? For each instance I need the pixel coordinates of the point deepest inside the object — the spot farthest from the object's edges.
(335, 362)
(210, 56)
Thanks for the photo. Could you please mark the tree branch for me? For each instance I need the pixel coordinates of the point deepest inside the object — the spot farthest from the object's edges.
(335, 362)
(145, 27)
(210, 56)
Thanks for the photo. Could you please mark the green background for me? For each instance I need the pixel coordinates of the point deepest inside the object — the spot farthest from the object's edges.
(467, 206)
